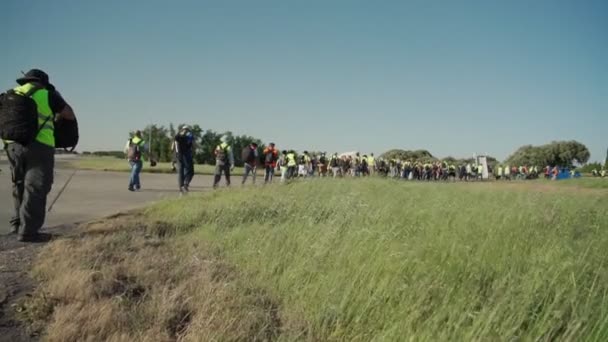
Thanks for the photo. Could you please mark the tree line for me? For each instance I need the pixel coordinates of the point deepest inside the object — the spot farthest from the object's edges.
(161, 138)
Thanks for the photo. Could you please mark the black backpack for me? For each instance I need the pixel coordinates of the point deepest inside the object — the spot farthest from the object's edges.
(134, 151)
(66, 134)
(19, 116)
(248, 155)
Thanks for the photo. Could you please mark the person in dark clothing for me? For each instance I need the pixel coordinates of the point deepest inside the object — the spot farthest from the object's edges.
(183, 147)
(250, 160)
(32, 165)
(224, 161)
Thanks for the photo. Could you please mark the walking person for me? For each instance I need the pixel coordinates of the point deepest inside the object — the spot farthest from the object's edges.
(270, 162)
(224, 161)
(32, 162)
(183, 146)
(250, 160)
(282, 165)
(135, 149)
(292, 165)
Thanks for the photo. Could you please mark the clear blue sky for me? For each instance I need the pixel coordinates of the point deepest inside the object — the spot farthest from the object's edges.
(453, 77)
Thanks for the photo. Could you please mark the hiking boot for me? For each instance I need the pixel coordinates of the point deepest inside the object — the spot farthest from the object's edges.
(131, 189)
(35, 238)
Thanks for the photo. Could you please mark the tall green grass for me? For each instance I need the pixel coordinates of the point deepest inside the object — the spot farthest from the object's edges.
(376, 260)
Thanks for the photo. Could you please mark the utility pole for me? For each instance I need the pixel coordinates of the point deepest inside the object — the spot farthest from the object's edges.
(150, 142)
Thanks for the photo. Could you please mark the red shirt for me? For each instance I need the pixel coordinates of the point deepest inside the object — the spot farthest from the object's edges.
(275, 155)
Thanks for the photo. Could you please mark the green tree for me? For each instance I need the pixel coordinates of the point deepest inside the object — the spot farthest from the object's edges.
(408, 155)
(562, 153)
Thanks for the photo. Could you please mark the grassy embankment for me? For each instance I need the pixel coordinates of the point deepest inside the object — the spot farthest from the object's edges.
(346, 260)
(121, 165)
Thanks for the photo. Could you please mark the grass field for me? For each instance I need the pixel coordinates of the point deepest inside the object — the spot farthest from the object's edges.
(339, 260)
(121, 165)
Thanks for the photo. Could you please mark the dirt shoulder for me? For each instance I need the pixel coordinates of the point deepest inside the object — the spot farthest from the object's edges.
(16, 261)
(124, 278)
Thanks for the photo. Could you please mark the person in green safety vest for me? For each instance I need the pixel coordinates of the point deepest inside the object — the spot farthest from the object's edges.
(224, 161)
(32, 166)
(498, 172)
(452, 172)
(135, 149)
(292, 164)
(507, 172)
(371, 164)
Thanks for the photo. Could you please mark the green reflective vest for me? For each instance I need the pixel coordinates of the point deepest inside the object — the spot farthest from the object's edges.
(291, 159)
(46, 135)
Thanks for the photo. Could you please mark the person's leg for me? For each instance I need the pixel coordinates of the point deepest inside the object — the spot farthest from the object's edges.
(246, 174)
(132, 176)
(253, 173)
(138, 166)
(227, 173)
(217, 175)
(40, 161)
(15, 155)
(189, 171)
(181, 171)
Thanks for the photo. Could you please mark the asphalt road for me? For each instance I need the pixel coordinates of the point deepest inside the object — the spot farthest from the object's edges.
(92, 194)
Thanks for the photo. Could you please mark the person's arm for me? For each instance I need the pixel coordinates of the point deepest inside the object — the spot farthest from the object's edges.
(60, 107)
(67, 113)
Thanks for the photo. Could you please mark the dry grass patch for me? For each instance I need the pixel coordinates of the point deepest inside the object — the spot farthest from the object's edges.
(124, 281)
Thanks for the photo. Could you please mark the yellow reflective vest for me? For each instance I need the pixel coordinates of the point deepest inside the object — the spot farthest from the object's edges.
(46, 126)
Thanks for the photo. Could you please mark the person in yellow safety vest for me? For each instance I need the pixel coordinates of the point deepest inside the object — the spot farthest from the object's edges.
(520, 171)
(498, 172)
(371, 164)
(32, 165)
(452, 172)
(224, 161)
(307, 164)
(135, 149)
(291, 164)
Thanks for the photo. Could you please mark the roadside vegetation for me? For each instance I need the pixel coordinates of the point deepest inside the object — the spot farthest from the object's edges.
(337, 260)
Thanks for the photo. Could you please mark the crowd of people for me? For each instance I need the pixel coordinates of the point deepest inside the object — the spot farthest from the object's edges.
(289, 165)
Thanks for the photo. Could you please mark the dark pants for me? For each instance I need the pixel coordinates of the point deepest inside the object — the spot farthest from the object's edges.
(185, 170)
(291, 172)
(249, 169)
(219, 169)
(32, 176)
(269, 174)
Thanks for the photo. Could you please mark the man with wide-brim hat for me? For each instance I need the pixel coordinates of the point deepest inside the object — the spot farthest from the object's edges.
(32, 165)
(183, 146)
